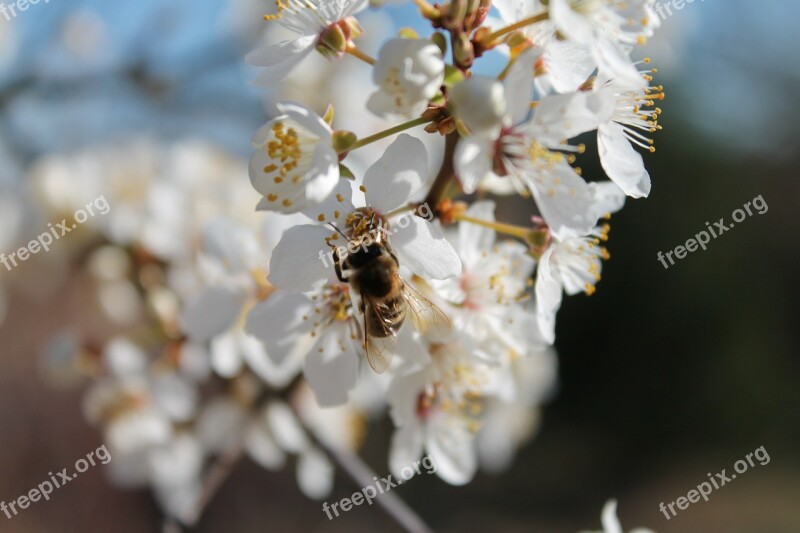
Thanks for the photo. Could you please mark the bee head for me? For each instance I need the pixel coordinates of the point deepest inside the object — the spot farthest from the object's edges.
(365, 254)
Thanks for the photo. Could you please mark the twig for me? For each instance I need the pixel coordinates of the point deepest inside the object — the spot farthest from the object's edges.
(219, 472)
(363, 476)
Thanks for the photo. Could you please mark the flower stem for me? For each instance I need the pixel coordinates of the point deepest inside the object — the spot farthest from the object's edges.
(391, 131)
(517, 25)
(355, 51)
(508, 229)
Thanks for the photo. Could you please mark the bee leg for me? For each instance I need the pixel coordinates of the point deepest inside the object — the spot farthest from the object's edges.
(337, 266)
(392, 254)
(362, 307)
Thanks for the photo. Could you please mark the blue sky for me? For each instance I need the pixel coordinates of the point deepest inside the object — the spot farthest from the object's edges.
(732, 73)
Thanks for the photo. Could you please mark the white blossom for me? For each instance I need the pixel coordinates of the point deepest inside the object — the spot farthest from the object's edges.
(408, 74)
(309, 20)
(611, 523)
(295, 166)
(609, 29)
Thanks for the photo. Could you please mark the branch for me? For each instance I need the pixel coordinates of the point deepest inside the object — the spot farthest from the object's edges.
(447, 172)
(363, 476)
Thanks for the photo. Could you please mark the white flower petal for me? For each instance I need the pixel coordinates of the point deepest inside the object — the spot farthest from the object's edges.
(564, 116)
(608, 197)
(294, 166)
(623, 164)
(300, 262)
(423, 248)
(285, 427)
(473, 161)
(548, 290)
(220, 424)
(399, 173)
(614, 62)
(406, 448)
(303, 115)
(519, 84)
(124, 359)
(212, 312)
(259, 361)
(451, 448)
(175, 396)
(402, 396)
(568, 65)
(335, 208)
(315, 474)
(609, 518)
(278, 322)
(408, 73)
(572, 24)
(279, 59)
(481, 103)
(261, 445)
(473, 239)
(225, 357)
(564, 200)
(332, 365)
(231, 243)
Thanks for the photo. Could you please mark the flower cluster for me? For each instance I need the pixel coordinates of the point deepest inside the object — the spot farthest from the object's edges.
(455, 312)
(374, 275)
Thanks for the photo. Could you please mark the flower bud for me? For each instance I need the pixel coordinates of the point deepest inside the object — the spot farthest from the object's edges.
(463, 53)
(353, 27)
(343, 140)
(333, 40)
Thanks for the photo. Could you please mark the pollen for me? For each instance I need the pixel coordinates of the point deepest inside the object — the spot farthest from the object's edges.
(285, 148)
(286, 202)
(272, 197)
(321, 217)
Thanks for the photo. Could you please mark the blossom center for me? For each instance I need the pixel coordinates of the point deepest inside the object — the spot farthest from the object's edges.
(636, 112)
(366, 223)
(299, 15)
(290, 149)
(332, 305)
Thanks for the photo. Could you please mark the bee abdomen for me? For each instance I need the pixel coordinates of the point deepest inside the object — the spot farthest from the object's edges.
(390, 317)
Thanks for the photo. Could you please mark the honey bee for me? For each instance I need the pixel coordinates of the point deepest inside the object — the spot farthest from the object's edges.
(385, 298)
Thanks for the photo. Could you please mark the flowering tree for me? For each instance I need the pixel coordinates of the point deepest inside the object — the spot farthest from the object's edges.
(377, 283)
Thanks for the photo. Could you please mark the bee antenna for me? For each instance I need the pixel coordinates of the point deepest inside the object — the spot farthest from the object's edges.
(340, 232)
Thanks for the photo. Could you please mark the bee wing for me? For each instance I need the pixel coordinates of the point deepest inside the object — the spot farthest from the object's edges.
(379, 349)
(425, 315)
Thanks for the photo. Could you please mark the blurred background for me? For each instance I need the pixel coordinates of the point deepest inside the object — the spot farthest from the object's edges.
(664, 375)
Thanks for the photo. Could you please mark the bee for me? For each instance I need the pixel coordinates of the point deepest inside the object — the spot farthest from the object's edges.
(373, 272)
